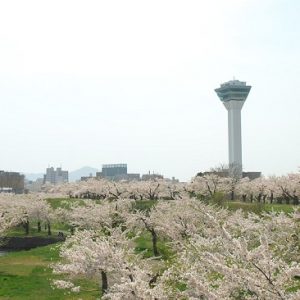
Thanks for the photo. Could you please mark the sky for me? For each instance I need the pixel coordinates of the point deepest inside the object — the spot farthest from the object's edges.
(86, 83)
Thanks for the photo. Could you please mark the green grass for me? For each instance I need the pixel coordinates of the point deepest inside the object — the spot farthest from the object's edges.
(26, 275)
(259, 207)
(66, 203)
(19, 231)
(144, 245)
(61, 202)
(144, 205)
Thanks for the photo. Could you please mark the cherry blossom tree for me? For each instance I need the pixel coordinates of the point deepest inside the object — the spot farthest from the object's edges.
(110, 258)
(209, 185)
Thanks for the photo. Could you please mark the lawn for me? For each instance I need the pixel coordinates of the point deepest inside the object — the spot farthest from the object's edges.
(62, 202)
(260, 207)
(66, 202)
(26, 275)
(144, 246)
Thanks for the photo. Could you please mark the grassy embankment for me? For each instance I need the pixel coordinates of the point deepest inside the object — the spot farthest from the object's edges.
(27, 275)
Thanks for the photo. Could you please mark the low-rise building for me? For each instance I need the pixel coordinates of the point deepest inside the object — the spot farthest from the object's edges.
(113, 170)
(12, 182)
(116, 172)
(34, 185)
(225, 173)
(153, 176)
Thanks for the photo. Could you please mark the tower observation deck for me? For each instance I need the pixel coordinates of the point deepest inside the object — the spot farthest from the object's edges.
(233, 94)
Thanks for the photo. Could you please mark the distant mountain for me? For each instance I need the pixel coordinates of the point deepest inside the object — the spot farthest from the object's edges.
(85, 171)
(73, 176)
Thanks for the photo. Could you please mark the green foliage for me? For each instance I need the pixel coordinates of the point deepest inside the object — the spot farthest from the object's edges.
(296, 285)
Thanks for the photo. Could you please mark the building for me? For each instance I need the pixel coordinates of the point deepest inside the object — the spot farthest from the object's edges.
(133, 177)
(233, 94)
(225, 173)
(34, 186)
(86, 178)
(153, 176)
(57, 176)
(252, 175)
(11, 182)
(117, 172)
(114, 170)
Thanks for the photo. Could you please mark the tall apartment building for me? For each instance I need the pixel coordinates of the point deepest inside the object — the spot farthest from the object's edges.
(11, 182)
(57, 176)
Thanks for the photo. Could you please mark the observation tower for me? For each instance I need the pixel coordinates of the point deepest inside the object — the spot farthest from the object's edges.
(233, 94)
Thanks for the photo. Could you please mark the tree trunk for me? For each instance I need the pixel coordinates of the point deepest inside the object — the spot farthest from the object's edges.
(104, 282)
(295, 200)
(49, 228)
(264, 198)
(39, 226)
(232, 195)
(259, 198)
(154, 242)
(272, 198)
(26, 227)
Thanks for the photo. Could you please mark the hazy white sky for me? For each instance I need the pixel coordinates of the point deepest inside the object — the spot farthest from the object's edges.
(93, 82)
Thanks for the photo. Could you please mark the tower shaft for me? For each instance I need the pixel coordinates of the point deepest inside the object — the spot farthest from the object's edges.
(234, 109)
